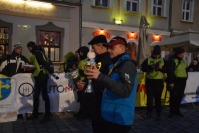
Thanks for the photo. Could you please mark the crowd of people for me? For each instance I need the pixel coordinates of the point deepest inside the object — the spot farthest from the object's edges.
(111, 103)
(15, 63)
(115, 74)
(174, 72)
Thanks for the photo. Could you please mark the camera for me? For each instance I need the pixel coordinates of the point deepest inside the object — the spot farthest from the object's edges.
(155, 66)
(74, 74)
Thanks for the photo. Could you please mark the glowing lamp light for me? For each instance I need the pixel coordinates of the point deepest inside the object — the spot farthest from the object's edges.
(132, 35)
(101, 32)
(157, 38)
(33, 3)
(17, 1)
(39, 4)
(118, 21)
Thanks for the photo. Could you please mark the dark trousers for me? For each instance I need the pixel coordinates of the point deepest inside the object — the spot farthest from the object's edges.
(41, 86)
(98, 124)
(87, 105)
(80, 100)
(116, 128)
(154, 89)
(176, 95)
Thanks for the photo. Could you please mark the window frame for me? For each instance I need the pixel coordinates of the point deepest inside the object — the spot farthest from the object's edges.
(101, 3)
(163, 8)
(6, 46)
(131, 6)
(50, 27)
(50, 48)
(185, 11)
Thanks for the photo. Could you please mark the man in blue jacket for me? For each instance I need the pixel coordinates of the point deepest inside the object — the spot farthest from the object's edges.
(118, 100)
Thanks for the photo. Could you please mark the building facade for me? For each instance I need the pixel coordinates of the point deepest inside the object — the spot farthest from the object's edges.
(184, 15)
(55, 25)
(61, 26)
(104, 14)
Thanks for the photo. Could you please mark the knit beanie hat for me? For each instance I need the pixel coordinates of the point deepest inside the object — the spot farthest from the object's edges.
(156, 50)
(84, 50)
(178, 50)
(17, 46)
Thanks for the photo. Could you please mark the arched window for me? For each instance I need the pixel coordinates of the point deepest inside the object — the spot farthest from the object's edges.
(6, 30)
(50, 37)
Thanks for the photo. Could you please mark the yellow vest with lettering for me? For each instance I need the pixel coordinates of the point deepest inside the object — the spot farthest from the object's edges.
(155, 74)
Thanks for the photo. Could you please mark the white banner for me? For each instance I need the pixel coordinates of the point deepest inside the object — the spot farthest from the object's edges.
(16, 94)
(8, 109)
(191, 93)
(61, 93)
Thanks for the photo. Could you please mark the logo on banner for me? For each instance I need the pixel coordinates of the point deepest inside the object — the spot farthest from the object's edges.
(5, 88)
(25, 89)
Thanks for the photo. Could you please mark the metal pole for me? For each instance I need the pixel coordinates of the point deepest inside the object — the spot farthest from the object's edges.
(80, 24)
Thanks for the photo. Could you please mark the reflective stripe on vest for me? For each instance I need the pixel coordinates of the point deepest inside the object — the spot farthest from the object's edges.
(155, 74)
(180, 71)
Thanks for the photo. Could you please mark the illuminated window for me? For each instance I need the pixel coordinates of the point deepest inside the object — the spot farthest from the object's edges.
(50, 37)
(4, 41)
(6, 30)
(187, 10)
(132, 5)
(50, 41)
(101, 3)
(159, 7)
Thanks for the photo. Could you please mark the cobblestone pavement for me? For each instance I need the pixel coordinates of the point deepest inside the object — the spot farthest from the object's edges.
(66, 123)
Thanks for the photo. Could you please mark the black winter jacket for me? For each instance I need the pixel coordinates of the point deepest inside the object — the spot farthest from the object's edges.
(12, 64)
(37, 51)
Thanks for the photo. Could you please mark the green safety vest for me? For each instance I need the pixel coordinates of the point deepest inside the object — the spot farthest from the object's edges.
(81, 66)
(155, 74)
(180, 71)
(32, 59)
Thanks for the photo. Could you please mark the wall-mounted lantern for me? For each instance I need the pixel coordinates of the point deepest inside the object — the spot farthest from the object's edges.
(101, 32)
(118, 21)
(132, 35)
(157, 38)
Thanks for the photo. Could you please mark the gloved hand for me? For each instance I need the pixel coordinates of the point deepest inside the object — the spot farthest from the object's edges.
(51, 70)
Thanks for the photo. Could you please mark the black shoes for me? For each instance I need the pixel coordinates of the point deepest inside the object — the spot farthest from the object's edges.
(158, 118)
(76, 115)
(147, 116)
(170, 115)
(33, 116)
(46, 118)
(180, 114)
(175, 114)
(80, 116)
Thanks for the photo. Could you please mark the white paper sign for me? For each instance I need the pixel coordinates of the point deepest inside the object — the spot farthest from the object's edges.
(191, 93)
